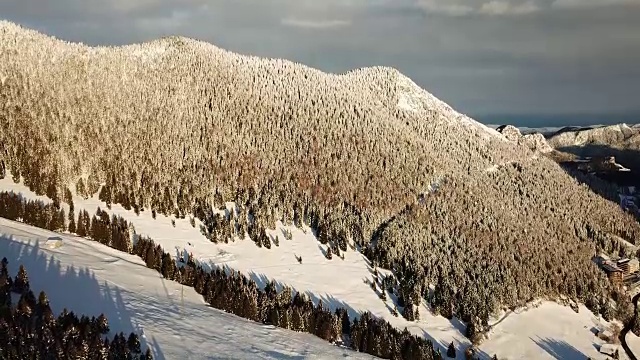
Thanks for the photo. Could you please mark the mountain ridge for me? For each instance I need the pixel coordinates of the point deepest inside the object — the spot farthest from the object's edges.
(193, 129)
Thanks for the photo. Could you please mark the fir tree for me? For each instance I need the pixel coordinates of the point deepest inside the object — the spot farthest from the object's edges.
(72, 222)
(102, 324)
(451, 351)
(81, 230)
(133, 343)
(21, 282)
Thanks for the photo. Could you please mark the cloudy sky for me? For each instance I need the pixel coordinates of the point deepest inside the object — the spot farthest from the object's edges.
(481, 56)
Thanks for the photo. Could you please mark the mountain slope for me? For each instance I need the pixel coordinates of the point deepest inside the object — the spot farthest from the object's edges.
(180, 126)
(91, 278)
(621, 141)
(538, 330)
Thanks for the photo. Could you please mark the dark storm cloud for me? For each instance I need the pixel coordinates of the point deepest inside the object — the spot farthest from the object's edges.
(512, 56)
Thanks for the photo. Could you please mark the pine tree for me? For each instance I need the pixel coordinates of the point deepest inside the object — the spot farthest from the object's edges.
(80, 188)
(68, 197)
(5, 290)
(24, 308)
(168, 267)
(21, 282)
(473, 331)
(60, 221)
(102, 324)
(42, 299)
(86, 222)
(408, 312)
(72, 221)
(635, 327)
(94, 230)
(4, 269)
(451, 351)
(133, 343)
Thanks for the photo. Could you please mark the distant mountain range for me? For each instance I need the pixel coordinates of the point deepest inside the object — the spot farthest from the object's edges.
(621, 141)
(538, 121)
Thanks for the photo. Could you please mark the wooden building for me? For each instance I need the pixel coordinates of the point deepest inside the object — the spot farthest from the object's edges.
(628, 266)
(613, 272)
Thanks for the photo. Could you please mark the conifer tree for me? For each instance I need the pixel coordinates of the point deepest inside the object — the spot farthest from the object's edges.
(133, 343)
(81, 230)
(72, 222)
(102, 324)
(635, 326)
(21, 282)
(451, 351)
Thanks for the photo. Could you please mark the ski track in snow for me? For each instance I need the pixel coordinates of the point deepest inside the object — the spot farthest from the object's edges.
(199, 332)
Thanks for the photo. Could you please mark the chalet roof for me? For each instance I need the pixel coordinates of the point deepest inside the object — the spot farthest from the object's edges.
(608, 267)
(623, 261)
(608, 349)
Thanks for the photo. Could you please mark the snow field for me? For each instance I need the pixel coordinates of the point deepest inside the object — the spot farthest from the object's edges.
(90, 278)
(542, 332)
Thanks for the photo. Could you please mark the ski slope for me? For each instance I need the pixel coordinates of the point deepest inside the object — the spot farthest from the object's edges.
(90, 278)
(546, 331)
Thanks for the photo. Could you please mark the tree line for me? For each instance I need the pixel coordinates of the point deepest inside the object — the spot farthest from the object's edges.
(30, 330)
(233, 292)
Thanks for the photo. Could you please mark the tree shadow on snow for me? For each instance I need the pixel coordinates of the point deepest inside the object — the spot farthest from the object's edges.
(323, 249)
(460, 348)
(559, 349)
(76, 289)
(328, 301)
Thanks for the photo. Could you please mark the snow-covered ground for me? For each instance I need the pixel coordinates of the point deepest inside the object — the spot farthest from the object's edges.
(634, 343)
(90, 278)
(545, 332)
(549, 331)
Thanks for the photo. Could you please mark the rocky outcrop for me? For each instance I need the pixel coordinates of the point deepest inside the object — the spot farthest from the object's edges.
(535, 141)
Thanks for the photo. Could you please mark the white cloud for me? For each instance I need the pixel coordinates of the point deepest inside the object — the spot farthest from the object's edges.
(445, 7)
(501, 7)
(314, 24)
(467, 7)
(591, 3)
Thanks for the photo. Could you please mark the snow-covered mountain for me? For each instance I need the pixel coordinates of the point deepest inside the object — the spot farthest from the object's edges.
(621, 141)
(236, 149)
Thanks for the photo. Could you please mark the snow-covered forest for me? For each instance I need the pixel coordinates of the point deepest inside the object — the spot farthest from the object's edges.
(177, 126)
